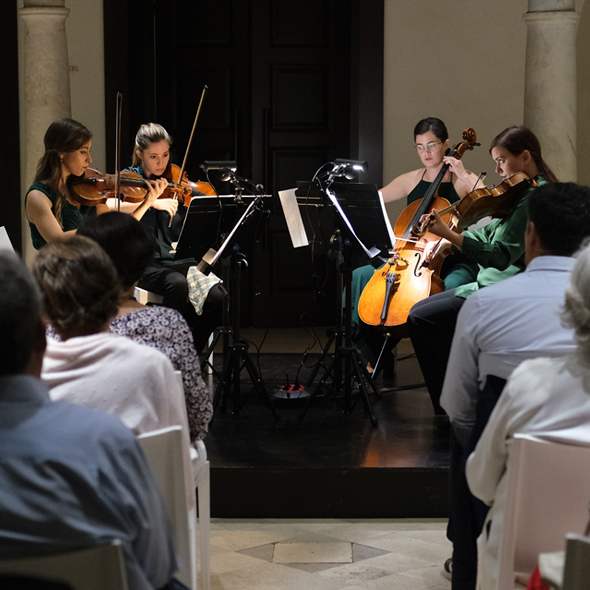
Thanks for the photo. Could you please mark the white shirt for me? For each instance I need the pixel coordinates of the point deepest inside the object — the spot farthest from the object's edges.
(499, 327)
(541, 395)
(118, 376)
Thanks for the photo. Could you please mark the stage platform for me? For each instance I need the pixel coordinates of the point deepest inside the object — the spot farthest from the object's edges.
(330, 464)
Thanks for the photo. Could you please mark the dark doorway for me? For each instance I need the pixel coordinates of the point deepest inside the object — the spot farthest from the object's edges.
(291, 85)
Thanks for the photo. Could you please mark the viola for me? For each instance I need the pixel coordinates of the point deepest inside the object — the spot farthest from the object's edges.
(412, 273)
(496, 201)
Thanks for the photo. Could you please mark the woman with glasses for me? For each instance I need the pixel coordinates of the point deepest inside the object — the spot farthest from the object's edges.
(431, 142)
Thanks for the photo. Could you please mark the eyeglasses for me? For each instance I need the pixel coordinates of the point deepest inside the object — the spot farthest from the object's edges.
(428, 147)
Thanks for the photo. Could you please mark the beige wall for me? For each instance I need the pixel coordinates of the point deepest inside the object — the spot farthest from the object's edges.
(462, 61)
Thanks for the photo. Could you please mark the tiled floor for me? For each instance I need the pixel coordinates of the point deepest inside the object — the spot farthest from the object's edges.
(328, 554)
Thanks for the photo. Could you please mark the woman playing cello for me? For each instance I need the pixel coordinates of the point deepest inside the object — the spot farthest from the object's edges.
(497, 248)
(431, 142)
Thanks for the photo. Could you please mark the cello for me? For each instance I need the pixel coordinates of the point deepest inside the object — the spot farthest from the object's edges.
(412, 272)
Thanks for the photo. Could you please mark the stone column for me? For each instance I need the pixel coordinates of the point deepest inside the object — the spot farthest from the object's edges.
(550, 82)
(46, 85)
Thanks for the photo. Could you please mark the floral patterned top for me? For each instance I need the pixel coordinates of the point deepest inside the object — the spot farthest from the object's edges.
(166, 330)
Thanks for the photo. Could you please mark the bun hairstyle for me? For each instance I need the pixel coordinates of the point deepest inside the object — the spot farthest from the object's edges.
(432, 124)
(147, 134)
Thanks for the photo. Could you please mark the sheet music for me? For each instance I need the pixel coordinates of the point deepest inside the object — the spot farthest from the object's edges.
(293, 218)
(373, 252)
(5, 243)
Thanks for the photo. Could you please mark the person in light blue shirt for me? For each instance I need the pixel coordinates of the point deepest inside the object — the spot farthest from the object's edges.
(497, 329)
(70, 477)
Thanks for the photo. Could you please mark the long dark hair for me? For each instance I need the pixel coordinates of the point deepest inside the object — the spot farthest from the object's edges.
(518, 138)
(432, 124)
(65, 135)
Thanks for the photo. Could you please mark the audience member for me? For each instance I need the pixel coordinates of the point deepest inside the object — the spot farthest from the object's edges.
(70, 477)
(497, 328)
(126, 242)
(91, 366)
(544, 394)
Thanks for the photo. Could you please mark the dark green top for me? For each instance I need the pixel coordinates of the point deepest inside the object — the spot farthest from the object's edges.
(71, 216)
(446, 190)
(498, 247)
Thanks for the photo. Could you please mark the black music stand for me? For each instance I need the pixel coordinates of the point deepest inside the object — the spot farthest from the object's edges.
(360, 219)
(235, 354)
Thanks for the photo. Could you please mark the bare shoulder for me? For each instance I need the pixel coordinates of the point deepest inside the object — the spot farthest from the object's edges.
(401, 186)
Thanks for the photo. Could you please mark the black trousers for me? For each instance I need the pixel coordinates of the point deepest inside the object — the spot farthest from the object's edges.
(431, 324)
(468, 513)
(170, 282)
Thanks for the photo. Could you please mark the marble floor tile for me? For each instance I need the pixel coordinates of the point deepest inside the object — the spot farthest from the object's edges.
(313, 553)
(327, 555)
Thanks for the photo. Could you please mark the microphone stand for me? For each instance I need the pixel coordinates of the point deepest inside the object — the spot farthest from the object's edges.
(235, 354)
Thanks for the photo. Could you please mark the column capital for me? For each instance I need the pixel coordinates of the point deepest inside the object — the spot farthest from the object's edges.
(44, 3)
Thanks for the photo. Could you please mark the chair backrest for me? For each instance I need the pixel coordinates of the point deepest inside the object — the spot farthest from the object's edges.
(548, 488)
(97, 568)
(163, 450)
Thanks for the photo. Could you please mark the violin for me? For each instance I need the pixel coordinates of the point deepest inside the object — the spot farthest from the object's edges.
(183, 189)
(94, 188)
(412, 273)
(496, 201)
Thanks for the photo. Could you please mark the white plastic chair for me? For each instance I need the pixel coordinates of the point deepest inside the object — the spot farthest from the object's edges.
(202, 483)
(576, 572)
(86, 569)
(144, 297)
(548, 487)
(163, 450)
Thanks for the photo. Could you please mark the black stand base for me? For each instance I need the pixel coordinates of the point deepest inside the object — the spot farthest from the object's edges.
(347, 361)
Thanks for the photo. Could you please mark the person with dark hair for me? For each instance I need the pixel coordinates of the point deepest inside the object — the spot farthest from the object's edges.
(497, 329)
(126, 242)
(50, 203)
(431, 141)
(163, 222)
(71, 477)
(93, 367)
(498, 248)
(548, 395)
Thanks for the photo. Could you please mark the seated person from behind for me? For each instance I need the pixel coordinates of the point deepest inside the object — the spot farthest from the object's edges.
(498, 328)
(124, 239)
(70, 477)
(91, 366)
(541, 395)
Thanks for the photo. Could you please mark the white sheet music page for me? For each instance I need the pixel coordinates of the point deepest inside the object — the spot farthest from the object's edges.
(5, 243)
(293, 218)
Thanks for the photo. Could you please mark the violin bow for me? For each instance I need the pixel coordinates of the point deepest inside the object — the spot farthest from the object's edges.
(119, 109)
(190, 139)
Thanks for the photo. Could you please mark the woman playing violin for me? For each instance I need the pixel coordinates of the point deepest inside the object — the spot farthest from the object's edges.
(498, 248)
(431, 142)
(51, 206)
(167, 276)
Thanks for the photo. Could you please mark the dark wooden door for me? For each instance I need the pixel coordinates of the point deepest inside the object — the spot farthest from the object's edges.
(282, 76)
